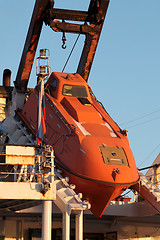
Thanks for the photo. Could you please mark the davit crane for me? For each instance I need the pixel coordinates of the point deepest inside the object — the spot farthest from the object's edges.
(90, 148)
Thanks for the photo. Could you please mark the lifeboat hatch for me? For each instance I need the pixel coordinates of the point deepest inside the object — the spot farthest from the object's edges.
(113, 155)
(84, 101)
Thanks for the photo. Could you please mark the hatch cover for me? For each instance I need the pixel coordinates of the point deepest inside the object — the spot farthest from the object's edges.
(113, 155)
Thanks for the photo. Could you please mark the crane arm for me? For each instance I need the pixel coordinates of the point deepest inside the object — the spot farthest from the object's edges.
(89, 23)
(98, 14)
(31, 43)
(95, 16)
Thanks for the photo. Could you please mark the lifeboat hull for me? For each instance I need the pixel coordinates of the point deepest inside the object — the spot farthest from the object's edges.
(89, 146)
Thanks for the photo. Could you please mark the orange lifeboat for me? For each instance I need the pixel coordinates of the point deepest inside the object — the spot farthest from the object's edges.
(89, 146)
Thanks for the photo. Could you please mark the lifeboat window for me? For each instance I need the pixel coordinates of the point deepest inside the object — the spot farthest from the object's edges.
(74, 91)
(54, 85)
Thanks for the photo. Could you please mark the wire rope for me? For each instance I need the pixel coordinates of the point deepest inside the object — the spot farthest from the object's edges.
(141, 117)
(142, 123)
(149, 154)
(71, 52)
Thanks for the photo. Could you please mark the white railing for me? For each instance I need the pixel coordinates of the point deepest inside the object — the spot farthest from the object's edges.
(27, 164)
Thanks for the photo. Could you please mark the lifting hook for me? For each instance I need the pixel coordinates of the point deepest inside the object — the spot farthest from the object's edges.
(64, 41)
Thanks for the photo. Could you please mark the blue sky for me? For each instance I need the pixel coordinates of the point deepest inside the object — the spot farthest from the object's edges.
(125, 75)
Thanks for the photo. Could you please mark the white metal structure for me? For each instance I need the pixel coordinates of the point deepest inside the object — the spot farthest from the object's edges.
(148, 191)
(50, 184)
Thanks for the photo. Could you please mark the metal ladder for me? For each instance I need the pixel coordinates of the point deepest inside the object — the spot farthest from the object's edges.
(148, 191)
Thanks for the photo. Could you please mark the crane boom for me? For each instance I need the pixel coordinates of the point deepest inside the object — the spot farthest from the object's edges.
(88, 23)
(30, 46)
(91, 42)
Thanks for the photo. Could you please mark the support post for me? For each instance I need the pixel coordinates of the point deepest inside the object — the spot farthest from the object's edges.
(47, 220)
(79, 225)
(66, 225)
(15, 171)
(155, 175)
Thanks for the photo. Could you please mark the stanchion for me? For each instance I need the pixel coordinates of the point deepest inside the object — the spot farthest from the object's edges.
(47, 220)
(66, 225)
(79, 225)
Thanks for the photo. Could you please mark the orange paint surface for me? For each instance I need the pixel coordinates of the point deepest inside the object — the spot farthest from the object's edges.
(89, 146)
